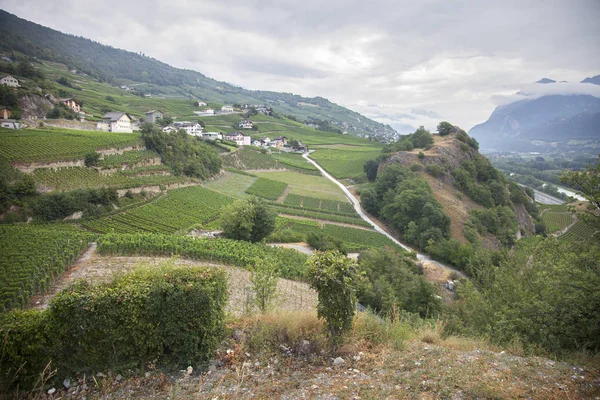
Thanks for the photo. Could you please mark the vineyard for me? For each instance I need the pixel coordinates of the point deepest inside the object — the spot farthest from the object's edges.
(179, 209)
(580, 232)
(127, 158)
(555, 221)
(33, 256)
(296, 163)
(355, 239)
(60, 144)
(267, 188)
(291, 263)
(344, 162)
(83, 178)
(287, 210)
(319, 204)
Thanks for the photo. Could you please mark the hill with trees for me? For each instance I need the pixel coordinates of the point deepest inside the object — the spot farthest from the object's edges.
(119, 67)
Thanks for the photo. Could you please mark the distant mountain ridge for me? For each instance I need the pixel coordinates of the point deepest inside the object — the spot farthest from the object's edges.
(544, 123)
(118, 66)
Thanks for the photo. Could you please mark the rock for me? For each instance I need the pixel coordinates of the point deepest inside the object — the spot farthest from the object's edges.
(100, 375)
(338, 361)
(67, 383)
(147, 374)
(189, 370)
(356, 358)
(51, 391)
(119, 378)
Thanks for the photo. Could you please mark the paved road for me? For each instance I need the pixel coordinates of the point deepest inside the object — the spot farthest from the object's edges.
(420, 256)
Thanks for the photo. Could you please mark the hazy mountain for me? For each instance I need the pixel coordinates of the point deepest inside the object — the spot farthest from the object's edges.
(116, 66)
(595, 80)
(551, 118)
(546, 80)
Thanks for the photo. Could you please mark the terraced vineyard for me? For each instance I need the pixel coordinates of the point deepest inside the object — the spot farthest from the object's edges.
(355, 239)
(81, 178)
(267, 188)
(127, 158)
(296, 162)
(555, 221)
(346, 161)
(32, 256)
(319, 204)
(179, 209)
(51, 145)
(341, 218)
(580, 232)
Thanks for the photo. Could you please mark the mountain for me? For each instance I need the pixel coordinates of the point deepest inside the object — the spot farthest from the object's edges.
(537, 124)
(546, 80)
(116, 66)
(594, 80)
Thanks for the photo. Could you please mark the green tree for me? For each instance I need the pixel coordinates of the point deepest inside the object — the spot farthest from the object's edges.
(336, 278)
(251, 220)
(264, 276)
(588, 183)
(445, 128)
(370, 168)
(91, 159)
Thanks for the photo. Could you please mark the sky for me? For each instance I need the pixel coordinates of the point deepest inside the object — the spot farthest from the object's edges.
(404, 63)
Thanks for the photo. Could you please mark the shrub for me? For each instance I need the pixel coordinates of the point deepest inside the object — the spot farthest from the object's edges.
(264, 276)
(434, 170)
(335, 278)
(91, 159)
(251, 220)
(416, 167)
(421, 155)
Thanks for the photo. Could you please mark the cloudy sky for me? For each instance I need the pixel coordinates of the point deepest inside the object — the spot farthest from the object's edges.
(399, 62)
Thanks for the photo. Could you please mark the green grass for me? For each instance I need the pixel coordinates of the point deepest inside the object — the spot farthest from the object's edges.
(231, 184)
(48, 145)
(267, 188)
(249, 159)
(307, 185)
(180, 209)
(345, 162)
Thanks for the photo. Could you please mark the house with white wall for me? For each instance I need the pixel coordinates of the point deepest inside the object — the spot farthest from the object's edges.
(116, 122)
(239, 138)
(9, 80)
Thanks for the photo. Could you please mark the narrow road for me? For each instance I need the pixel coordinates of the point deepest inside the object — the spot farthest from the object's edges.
(420, 256)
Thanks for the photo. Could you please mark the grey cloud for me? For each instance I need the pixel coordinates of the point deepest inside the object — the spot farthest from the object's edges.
(400, 62)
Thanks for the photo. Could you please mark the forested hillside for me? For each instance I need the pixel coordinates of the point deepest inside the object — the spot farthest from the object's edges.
(117, 67)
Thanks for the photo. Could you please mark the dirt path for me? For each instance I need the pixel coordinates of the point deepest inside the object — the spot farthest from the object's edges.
(287, 191)
(291, 295)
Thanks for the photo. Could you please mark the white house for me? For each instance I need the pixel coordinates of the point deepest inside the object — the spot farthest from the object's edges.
(191, 128)
(211, 135)
(282, 139)
(208, 111)
(72, 104)
(246, 124)
(116, 122)
(239, 138)
(201, 104)
(9, 80)
(9, 123)
(154, 115)
(256, 143)
(227, 109)
(170, 128)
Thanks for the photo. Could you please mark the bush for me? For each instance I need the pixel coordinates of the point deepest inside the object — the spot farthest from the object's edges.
(434, 170)
(416, 167)
(322, 242)
(264, 276)
(335, 277)
(421, 155)
(91, 159)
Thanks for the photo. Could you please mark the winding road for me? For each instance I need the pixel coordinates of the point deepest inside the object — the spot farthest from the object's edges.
(420, 256)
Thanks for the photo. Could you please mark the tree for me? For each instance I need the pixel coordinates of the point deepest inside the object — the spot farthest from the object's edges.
(91, 159)
(251, 220)
(336, 278)
(588, 183)
(445, 128)
(264, 276)
(370, 168)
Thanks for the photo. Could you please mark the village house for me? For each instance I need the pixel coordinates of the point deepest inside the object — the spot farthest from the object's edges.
(116, 122)
(227, 109)
(256, 143)
(239, 138)
(154, 115)
(9, 80)
(264, 110)
(208, 111)
(201, 104)
(5, 112)
(9, 124)
(277, 143)
(264, 142)
(191, 128)
(246, 124)
(170, 128)
(282, 139)
(72, 104)
(211, 135)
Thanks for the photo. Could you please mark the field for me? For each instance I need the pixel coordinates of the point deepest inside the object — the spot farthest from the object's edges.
(307, 185)
(355, 239)
(179, 209)
(82, 178)
(127, 158)
(231, 184)
(555, 221)
(32, 256)
(50, 145)
(319, 204)
(346, 162)
(580, 232)
(267, 188)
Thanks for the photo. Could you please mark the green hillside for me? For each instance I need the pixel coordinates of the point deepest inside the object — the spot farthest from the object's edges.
(118, 67)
